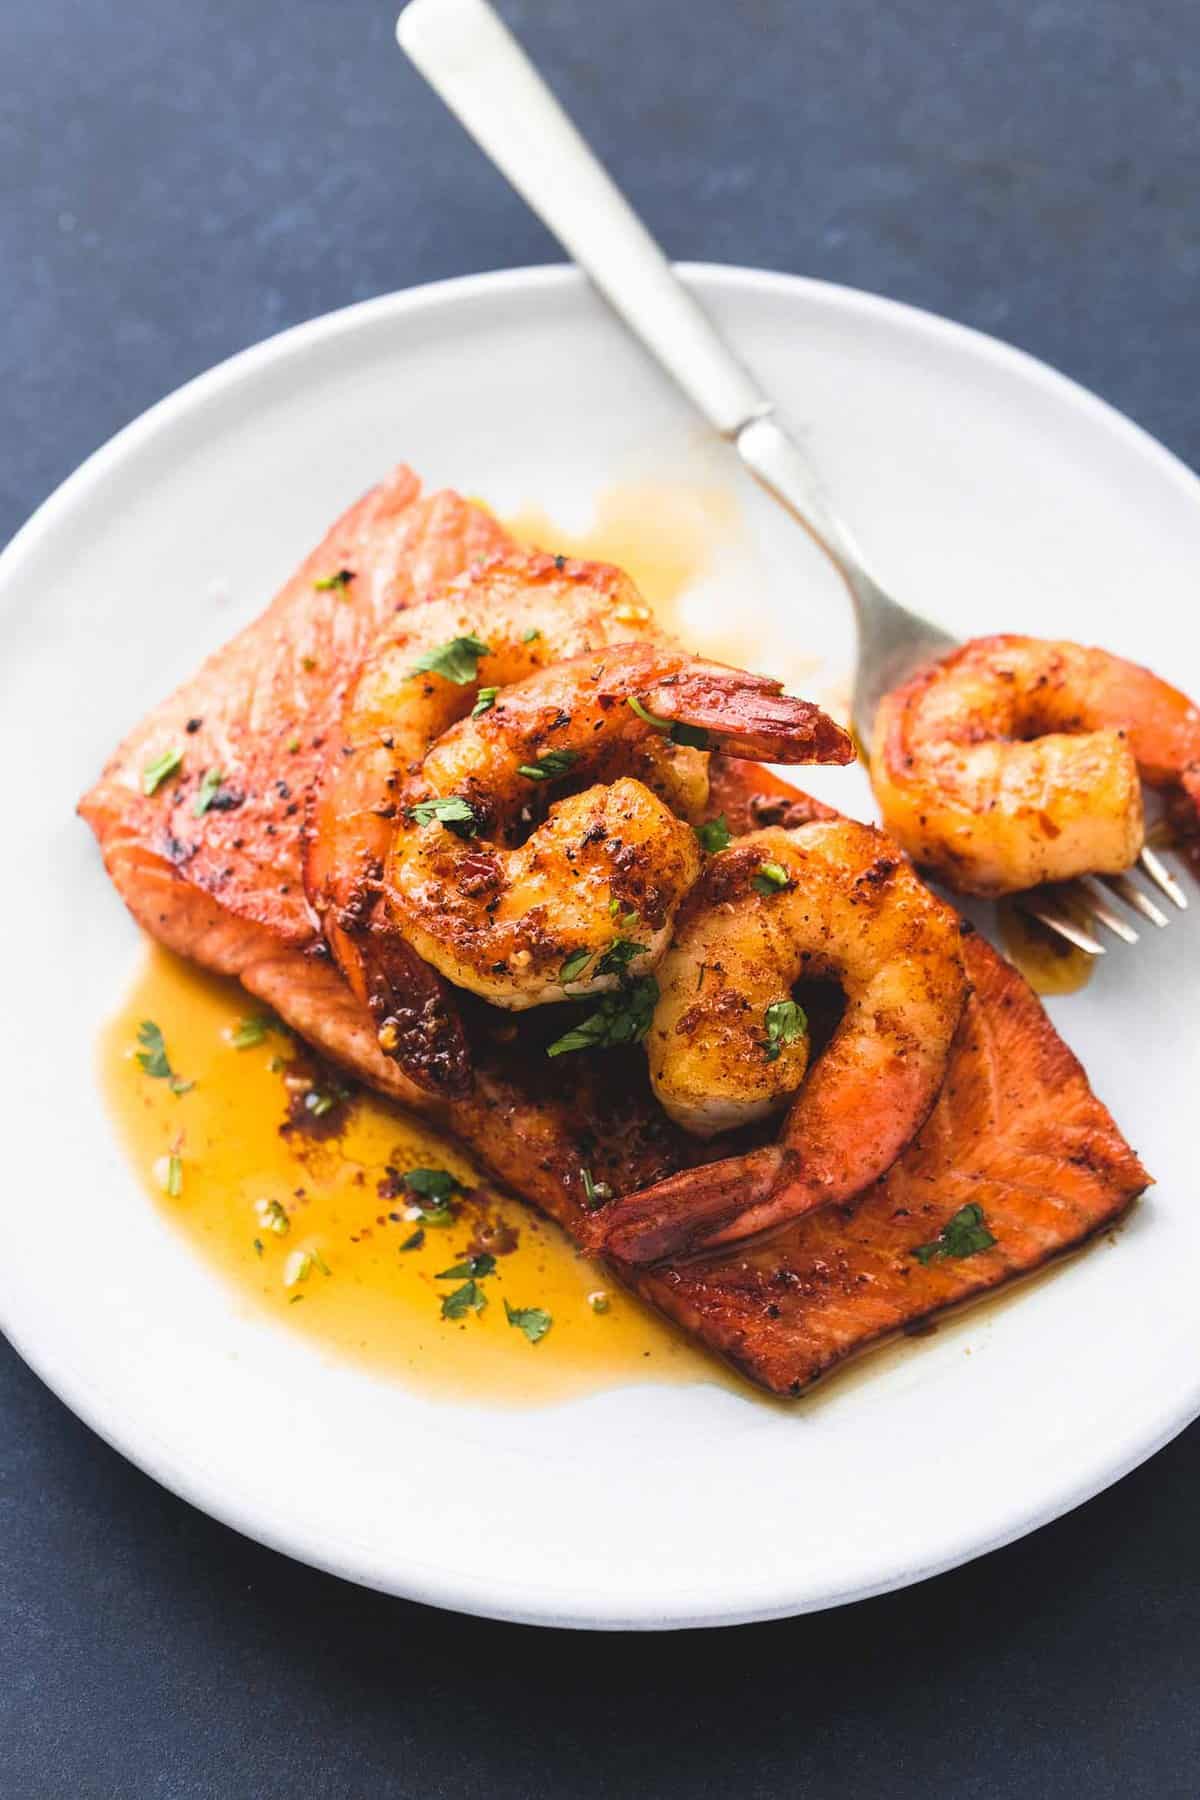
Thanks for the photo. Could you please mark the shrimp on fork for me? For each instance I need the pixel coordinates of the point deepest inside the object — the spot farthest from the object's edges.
(586, 898)
(1015, 761)
(728, 1043)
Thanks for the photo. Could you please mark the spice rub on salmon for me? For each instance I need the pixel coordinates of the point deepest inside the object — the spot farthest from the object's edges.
(199, 816)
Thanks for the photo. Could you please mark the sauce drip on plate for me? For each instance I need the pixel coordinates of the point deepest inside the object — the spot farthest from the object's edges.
(271, 1210)
(1048, 963)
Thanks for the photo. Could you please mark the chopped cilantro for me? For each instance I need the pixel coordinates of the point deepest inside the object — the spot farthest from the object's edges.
(454, 813)
(484, 1263)
(456, 660)
(160, 769)
(249, 1032)
(643, 712)
(785, 1022)
(532, 1320)
(318, 1103)
(174, 1176)
(207, 792)
(574, 966)
(415, 1239)
(621, 1018)
(675, 729)
(594, 1192)
(298, 1267)
(484, 701)
(715, 835)
(258, 1246)
(273, 1217)
(341, 578)
(153, 1060)
(470, 1297)
(434, 1188)
(547, 767)
(770, 878)
(293, 744)
(531, 636)
(617, 958)
(963, 1235)
(431, 1184)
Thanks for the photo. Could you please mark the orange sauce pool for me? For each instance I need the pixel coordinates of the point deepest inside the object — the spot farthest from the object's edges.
(379, 1304)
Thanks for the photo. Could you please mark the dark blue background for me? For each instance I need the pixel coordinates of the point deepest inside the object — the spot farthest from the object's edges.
(183, 177)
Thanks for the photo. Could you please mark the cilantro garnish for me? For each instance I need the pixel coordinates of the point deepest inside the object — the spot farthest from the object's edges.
(154, 1061)
(456, 660)
(715, 835)
(470, 1297)
(341, 578)
(160, 769)
(484, 702)
(415, 1239)
(273, 1217)
(547, 767)
(434, 1188)
(454, 813)
(963, 1235)
(484, 1263)
(594, 1192)
(574, 966)
(675, 729)
(431, 1184)
(531, 636)
(621, 1018)
(785, 1022)
(249, 1032)
(770, 878)
(532, 1320)
(206, 793)
(619, 955)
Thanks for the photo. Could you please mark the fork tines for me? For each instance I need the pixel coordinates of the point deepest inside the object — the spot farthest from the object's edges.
(1078, 909)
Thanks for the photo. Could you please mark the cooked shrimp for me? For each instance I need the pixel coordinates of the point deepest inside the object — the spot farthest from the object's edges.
(729, 1044)
(528, 609)
(587, 898)
(515, 616)
(1016, 760)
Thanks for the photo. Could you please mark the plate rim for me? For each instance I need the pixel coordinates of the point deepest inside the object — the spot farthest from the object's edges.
(522, 1601)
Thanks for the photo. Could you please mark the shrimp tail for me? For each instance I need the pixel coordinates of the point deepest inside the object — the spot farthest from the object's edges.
(687, 1212)
(751, 716)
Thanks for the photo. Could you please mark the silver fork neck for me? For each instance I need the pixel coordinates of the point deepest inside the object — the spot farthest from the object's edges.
(891, 640)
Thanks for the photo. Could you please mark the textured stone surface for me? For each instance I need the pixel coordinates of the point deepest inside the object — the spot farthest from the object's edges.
(182, 178)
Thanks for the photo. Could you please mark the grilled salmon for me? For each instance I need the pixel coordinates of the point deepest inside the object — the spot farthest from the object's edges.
(210, 863)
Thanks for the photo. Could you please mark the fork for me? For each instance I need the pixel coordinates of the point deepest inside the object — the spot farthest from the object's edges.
(471, 59)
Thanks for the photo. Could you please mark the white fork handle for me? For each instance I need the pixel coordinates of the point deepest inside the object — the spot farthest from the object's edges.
(469, 56)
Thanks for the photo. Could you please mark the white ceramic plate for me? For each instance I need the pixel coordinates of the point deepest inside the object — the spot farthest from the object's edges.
(991, 492)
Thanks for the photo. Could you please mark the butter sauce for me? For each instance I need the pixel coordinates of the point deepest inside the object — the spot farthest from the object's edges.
(379, 1304)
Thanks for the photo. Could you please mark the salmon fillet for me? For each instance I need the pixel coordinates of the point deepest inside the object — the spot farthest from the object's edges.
(1017, 1129)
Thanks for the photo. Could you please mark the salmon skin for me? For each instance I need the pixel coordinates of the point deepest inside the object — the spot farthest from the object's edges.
(1016, 1131)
